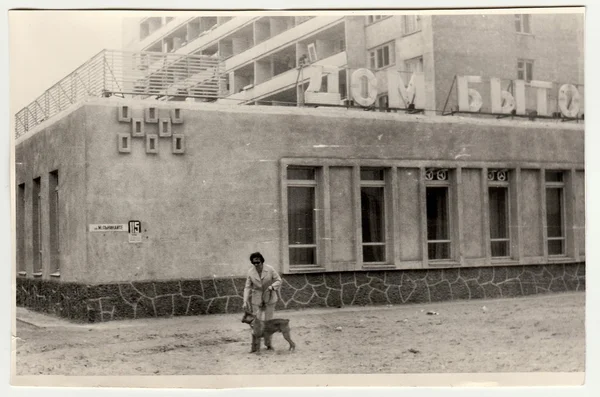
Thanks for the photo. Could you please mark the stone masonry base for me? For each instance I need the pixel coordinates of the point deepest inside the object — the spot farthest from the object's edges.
(105, 302)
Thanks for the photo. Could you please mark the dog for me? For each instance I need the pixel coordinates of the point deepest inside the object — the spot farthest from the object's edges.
(265, 329)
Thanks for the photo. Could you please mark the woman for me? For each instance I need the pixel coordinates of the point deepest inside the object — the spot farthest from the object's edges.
(262, 284)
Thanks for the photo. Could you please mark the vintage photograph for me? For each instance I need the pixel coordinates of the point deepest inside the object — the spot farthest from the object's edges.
(298, 193)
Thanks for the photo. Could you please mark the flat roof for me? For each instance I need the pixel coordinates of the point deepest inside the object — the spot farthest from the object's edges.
(329, 112)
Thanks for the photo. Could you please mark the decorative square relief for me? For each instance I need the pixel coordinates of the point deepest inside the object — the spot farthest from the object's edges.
(164, 127)
(178, 143)
(151, 143)
(137, 127)
(124, 113)
(151, 114)
(176, 116)
(124, 143)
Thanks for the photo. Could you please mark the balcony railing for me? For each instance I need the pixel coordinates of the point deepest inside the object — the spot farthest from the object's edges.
(142, 75)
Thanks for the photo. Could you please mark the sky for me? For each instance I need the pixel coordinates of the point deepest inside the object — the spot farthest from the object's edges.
(46, 46)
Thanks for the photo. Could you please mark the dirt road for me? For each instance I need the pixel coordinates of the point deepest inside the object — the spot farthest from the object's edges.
(540, 333)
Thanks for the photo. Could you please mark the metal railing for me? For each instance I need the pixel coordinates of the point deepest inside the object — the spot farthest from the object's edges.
(142, 75)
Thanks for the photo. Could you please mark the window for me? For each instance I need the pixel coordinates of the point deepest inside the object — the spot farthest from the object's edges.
(376, 18)
(302, 231)
(499, 213)
(37, 226)
(523, 23)
(412, 23)
(381, 56)
(525, 70)
(414, 65)
(20, 208)
(555, 213)
(54, 223)
(438, 214)
(372, 208)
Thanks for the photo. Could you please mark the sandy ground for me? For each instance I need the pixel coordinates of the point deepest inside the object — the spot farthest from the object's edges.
(541, 333)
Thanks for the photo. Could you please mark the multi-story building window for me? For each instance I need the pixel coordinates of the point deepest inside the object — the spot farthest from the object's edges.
(525, 69)
(437, 188)
(36, 228)
(20, 215)
(523, 23)
(411, 23)
(414, 65)
(149, 26)
(372, 208)
(382, 56)
(375, 18)
(555, 212)
(498, 197)
(54, 223)
(302, 230)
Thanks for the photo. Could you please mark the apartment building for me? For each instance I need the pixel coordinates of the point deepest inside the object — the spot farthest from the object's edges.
(269, 59)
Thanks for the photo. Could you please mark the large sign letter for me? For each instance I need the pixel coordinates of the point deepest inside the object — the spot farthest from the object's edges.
(502, 101)
(520, 95)
(401, 96)
(363, 77)
(569, 100)
(542, 95)
(313, 94)
(469, 100)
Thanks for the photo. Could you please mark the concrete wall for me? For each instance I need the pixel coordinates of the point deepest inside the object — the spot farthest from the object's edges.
(203, 212)
(355, 37)
(59, 145)
(489, 46)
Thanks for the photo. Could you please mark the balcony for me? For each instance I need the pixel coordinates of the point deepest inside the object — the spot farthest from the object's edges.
(281, 81)
(281, 40)
(212, 33)
(156, 31)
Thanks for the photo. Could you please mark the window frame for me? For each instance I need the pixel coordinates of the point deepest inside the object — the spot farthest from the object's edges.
(314, 183)
(527, 66)
(21, 222)
(417, 24)
(448, 184)
(372, 19)
(409, 61)
(329, 237)
(54, 222)
(37, 234)
(506, 184)
(520, 20)
(373, 55)
(383, 183)
(561, 186)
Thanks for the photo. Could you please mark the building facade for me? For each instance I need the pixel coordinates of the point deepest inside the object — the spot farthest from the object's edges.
(129, 208)
(269, 59)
